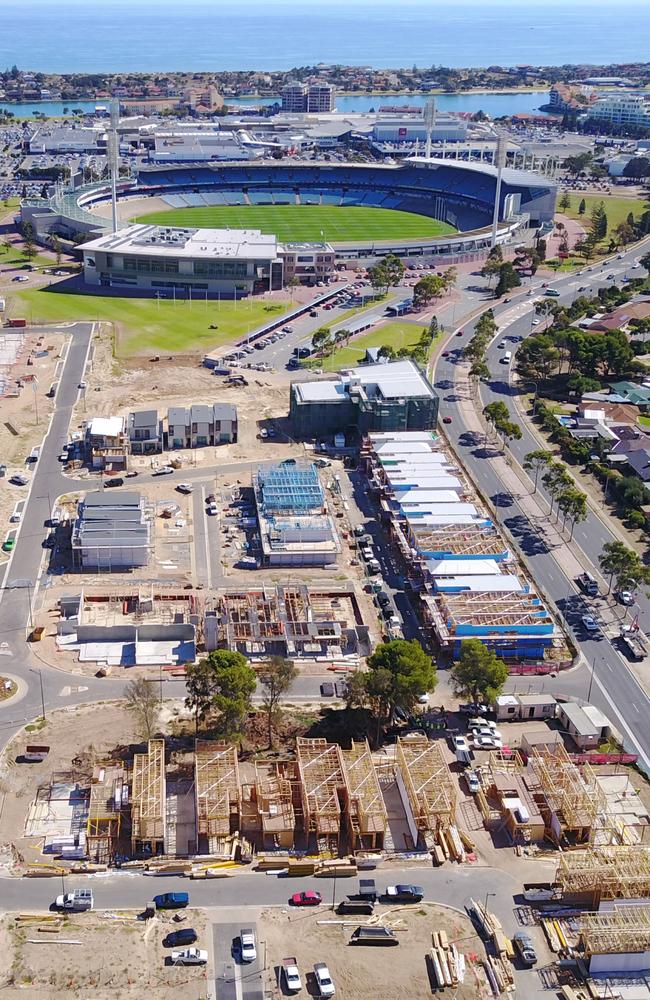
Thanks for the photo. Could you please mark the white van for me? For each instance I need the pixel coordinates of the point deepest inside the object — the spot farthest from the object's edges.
(507, 358)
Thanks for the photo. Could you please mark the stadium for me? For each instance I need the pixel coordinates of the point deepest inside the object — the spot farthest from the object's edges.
(420, 207)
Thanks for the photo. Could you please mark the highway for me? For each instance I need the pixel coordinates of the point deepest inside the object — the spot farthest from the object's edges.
(614, 688)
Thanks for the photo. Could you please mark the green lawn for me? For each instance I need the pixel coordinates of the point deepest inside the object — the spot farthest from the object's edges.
(307, 222)
(643, 420)
(617, 209)
(396, 335)
(146, 326)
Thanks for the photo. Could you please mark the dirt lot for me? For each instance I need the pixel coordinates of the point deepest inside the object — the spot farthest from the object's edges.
(97, 730)
(362, 972)
(115, 958)
(19, 431)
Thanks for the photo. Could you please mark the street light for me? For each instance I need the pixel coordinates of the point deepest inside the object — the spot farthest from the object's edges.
(487, 896)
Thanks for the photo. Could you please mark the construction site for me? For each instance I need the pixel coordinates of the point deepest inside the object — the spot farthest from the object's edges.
(547, 797)
(327, 800)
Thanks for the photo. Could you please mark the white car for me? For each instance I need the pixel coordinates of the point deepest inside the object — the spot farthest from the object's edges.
(185, 488)
(324, 983)
(487, 742)
(486, 731)
(590, 624)
(190, 956)
(165, 471)
(477, 723)
(460, 743)
(471, 777)
(247, 947)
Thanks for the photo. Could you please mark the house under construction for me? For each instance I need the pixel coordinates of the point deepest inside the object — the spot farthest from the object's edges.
(149, 801)
(600, 874)
(107, 804)
(571, 801)
(367, 814)
(617, 939)
(323, 790)
(427, 781)
(267, 806)
(291, 621)
(217, 794)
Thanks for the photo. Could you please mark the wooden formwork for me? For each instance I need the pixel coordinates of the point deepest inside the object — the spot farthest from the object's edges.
(217, 788)
(429, 785)
(322, 778)
(622, 930)
(148, 799)
(606, 873)
(367, 811)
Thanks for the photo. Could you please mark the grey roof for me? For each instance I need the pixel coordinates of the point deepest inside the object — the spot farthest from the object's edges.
(201, 413)
(225, 411)
(640, 461)
(114, 498)
(144, 418)
(178, 415)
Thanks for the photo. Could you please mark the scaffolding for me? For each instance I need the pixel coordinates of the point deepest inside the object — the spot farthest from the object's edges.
(273, 799)
(620, 931)
(429, 785)
(288, 489)
(108, 799)
(605, 873)
(367, 813)
(217, 792)
(148, 800)
(322, 780)
(575, 801)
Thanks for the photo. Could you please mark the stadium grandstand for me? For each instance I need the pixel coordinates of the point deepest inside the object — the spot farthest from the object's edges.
(458, 193)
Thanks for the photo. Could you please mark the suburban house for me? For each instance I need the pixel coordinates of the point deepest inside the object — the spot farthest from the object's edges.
(201, 424)
(107, 443)
(630, 392)
(144, 432)
(621, 318)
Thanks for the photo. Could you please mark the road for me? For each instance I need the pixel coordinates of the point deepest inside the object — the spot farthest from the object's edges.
(234, 979)
(614, 688)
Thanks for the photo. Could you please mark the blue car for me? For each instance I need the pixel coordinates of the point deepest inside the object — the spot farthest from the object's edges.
(171, 900)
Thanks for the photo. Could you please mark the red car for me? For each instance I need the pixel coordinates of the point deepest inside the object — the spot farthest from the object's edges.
(460, 333)
(308, 898)
(446, 420)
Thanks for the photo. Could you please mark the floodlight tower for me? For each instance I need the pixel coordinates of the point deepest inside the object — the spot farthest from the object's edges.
(113, 157)
(429, 121)
(499, 162)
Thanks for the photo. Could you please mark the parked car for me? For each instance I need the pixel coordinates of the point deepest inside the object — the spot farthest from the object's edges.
(309, 897)
(78, 900)
(487, 743)
(185, 488)
(479, 723)
(19, 480)
(625, 597)
(471, 777)
(524, 945)
(324, 983)
(247, 948)
(116, 481)
(171, 900)
(190, 956)
(460, 743)
(166, 470)
(187, 935)
(446, 420)
(404, 893)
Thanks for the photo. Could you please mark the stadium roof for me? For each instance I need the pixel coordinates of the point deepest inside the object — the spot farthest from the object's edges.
(518, 178)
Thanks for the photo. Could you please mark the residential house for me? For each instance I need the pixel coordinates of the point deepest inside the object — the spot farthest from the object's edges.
(609, 413)
(621, 318)
(201, 425)
(107, 443)
(144, 432)
(631, 392)
(639, 462)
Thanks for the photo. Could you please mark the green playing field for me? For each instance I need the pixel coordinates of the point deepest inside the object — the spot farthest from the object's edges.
(307, 222)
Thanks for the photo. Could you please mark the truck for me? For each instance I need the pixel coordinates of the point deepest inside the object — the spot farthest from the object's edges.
(633, 644)
(291, 975)
(77, 900)
(404, 893)
(587, 584)
(171, 900)
(35, 753)
(17, 322)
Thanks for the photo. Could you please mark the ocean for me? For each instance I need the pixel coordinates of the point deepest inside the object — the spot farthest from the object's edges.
(85, 36)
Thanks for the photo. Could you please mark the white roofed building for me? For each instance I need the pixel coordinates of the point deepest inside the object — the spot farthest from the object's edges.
(107, 443)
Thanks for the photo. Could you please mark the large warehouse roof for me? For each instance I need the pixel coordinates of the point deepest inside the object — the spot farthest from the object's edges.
(395, 380)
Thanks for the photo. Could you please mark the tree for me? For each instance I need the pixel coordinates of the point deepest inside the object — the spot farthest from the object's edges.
(143, 703)
(386, 273)
(508, 278)
(623, 565)
(491, 268)
(399, 672)
(556, 480)
(585, 247)
(322, 339)
(637, 167)
(582, 207)
(479, 371)
(275, 678)
(29, 236)
(537, 460)
(645, 261)
(579, 163)
(496, 413)
(599, 222)
(625, 233)
(565, 201)
(427, 289)
(222, 683)
(478, 674)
